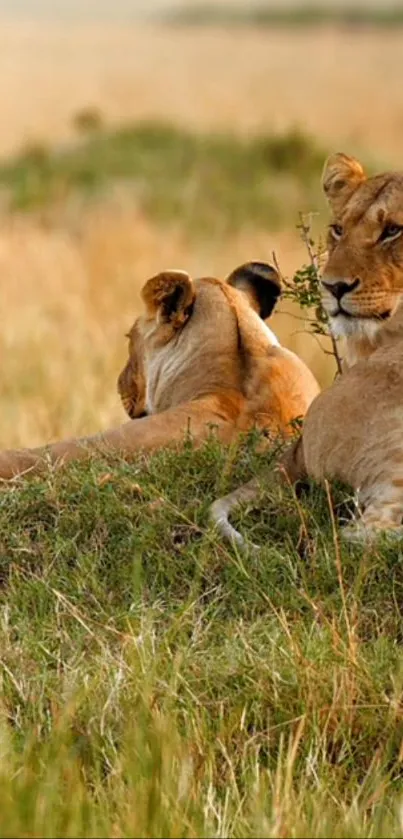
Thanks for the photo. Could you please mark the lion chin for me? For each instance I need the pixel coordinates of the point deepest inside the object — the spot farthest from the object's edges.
(361, 329)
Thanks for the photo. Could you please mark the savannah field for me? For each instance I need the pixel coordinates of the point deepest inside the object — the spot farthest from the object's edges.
(72, 263)
(153, 681)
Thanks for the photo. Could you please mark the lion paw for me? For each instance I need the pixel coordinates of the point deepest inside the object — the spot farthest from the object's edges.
(359, 533)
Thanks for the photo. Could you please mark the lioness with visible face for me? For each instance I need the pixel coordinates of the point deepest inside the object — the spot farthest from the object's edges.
(200, 355)
(354, 430)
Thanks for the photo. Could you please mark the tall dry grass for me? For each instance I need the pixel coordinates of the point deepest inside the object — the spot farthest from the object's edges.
(343, 87)
(70, 290)
(69, 296)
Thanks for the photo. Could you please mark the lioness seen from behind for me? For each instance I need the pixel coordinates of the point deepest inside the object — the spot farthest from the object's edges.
(200, 355)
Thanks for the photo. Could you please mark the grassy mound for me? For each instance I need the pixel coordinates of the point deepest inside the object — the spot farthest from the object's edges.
(156, 683)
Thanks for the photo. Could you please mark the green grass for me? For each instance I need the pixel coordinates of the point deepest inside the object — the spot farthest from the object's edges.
(312, 14)
(156, 683)
(211, 182)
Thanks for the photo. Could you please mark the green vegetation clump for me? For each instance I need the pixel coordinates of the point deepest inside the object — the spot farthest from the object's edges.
(157, 683)
(211, 182)
(384, 15)
(88, 120)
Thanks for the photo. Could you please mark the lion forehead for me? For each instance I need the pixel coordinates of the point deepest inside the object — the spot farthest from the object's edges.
(374, 200)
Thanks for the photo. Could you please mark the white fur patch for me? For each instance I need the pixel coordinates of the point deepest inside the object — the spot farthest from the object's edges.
(344, 327)
(270, 334)
(257, 324)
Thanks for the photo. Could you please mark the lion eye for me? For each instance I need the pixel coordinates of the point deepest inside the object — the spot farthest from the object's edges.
(336, 230)
(390, 231)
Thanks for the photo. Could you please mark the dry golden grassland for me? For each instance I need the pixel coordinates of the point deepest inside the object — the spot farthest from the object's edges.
(344, 87)
(68, 303)
(70, 281)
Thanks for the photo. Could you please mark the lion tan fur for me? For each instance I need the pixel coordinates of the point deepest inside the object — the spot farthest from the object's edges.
(200, 355)
(353, 431)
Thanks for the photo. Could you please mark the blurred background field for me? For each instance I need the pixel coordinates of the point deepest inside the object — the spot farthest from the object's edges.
(134, 137)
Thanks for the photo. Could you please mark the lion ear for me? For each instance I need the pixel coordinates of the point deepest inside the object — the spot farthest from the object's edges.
(169, 297)
(261, 282)
(340, 178)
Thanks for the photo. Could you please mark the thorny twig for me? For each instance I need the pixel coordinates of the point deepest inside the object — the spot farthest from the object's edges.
(309, 244)
(305, 286)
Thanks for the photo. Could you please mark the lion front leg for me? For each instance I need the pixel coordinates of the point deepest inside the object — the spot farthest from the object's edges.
(147, 434)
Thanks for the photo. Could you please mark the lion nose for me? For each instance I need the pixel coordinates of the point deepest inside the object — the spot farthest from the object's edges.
(340, 288)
